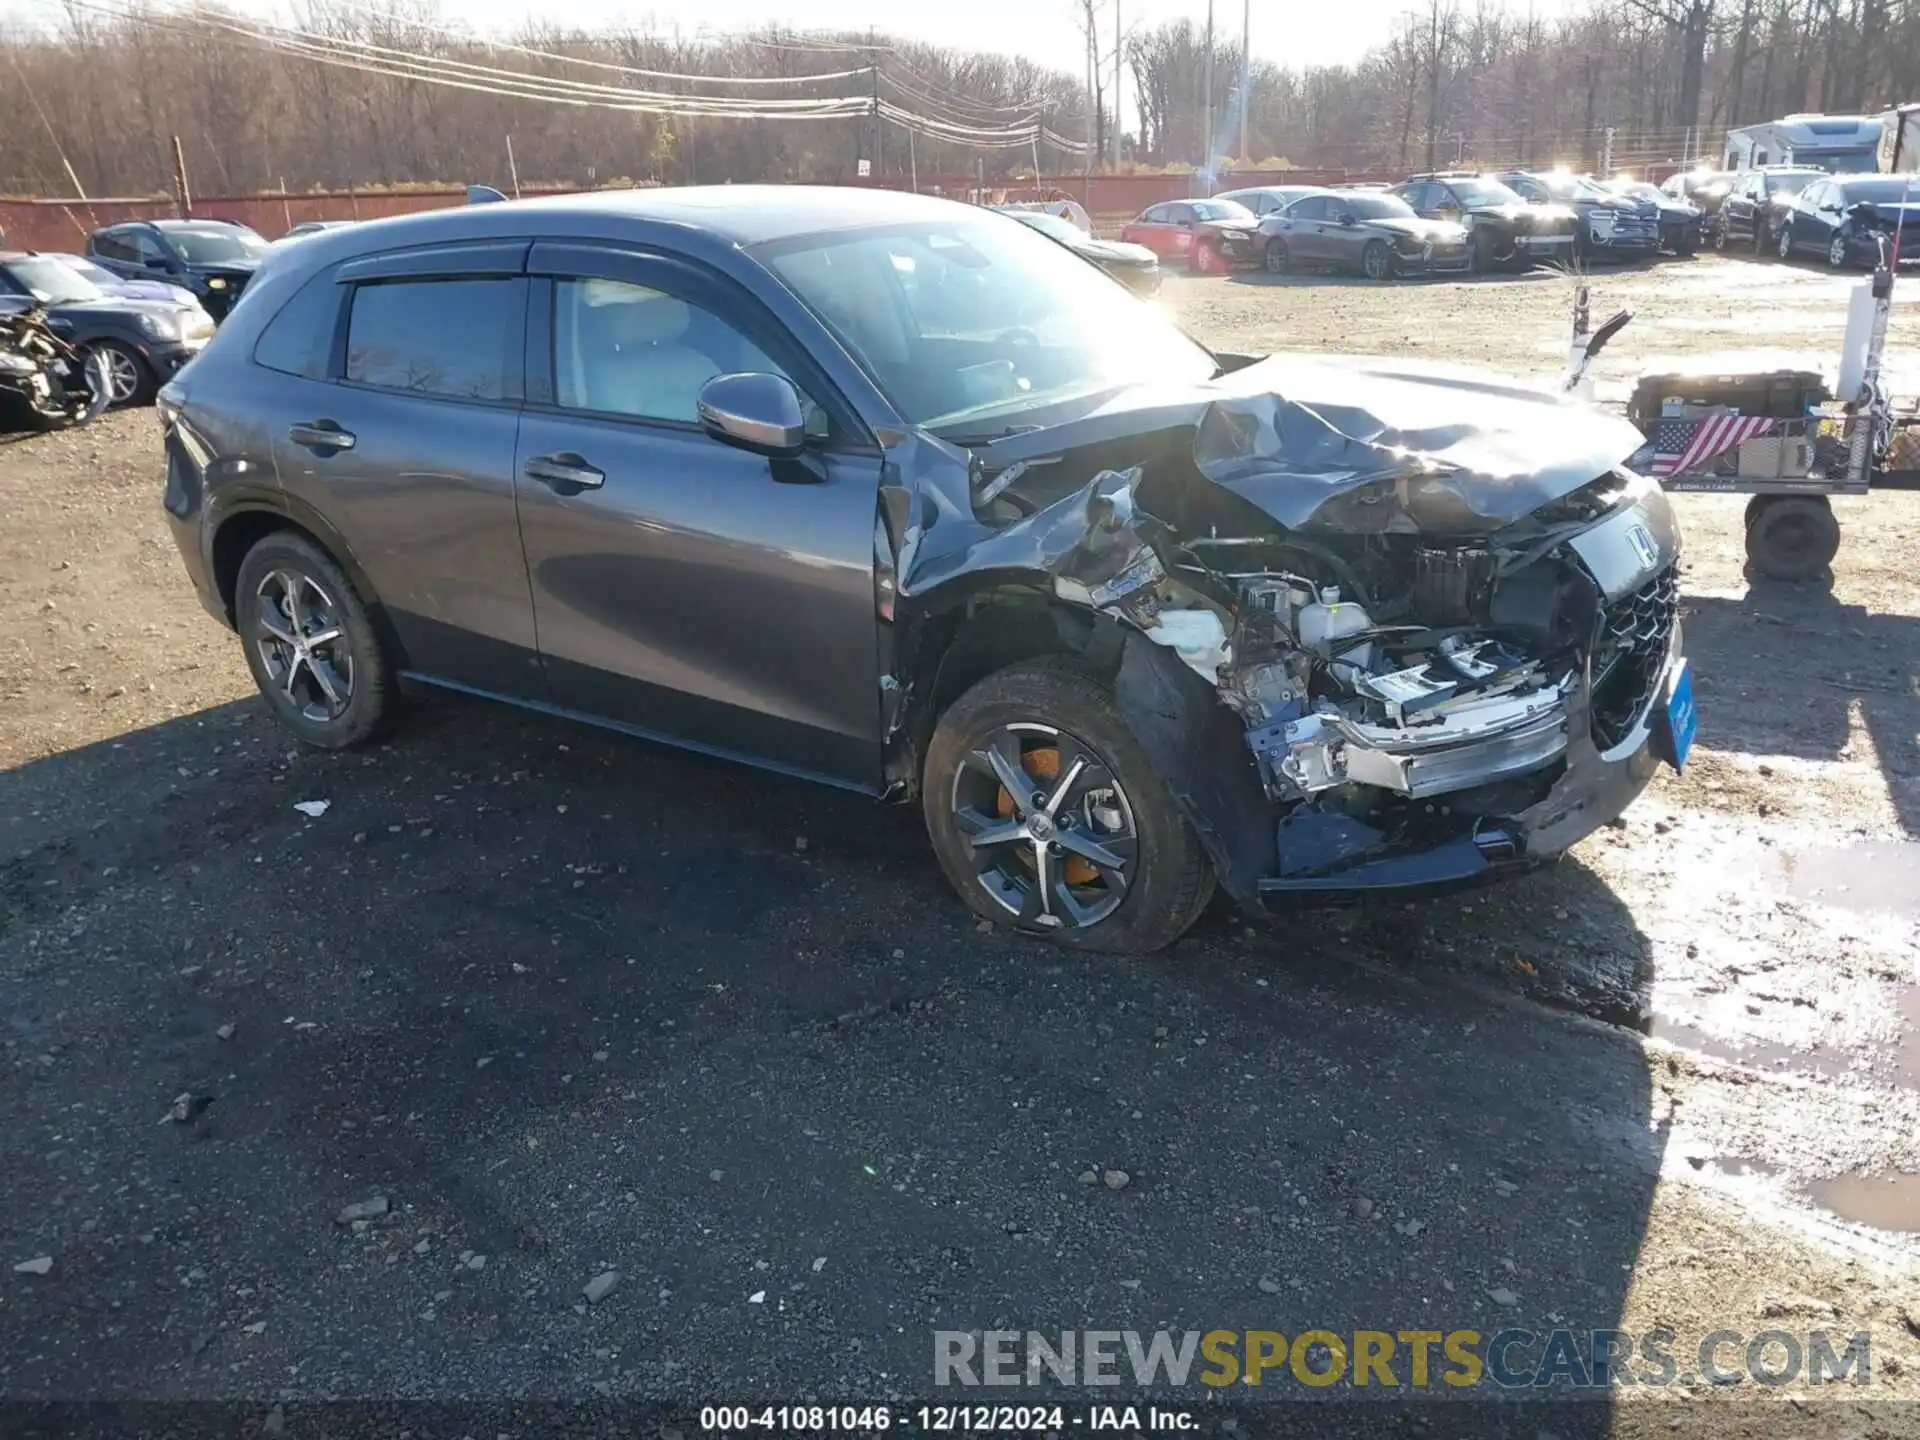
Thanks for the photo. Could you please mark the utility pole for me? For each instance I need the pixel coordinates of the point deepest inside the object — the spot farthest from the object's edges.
(1093, 104)
(182, 196)
(1246, 70)
(879, 135)
(1606, 151)
(1119, 45)
(1206, 157)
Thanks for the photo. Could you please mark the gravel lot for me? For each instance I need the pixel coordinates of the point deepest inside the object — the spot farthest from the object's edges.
(571, 1004)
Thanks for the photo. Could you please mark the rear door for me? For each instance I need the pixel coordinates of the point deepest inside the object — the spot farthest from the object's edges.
(404, 441)
(684, 587)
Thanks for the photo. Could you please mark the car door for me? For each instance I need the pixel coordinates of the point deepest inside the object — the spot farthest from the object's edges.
(1307, 229)
(115, 249)
(1419, 198)
(1738, 211)
(1150, 230)
(404, 443)
(1180, 230)
(689, 589)
(1343, 236)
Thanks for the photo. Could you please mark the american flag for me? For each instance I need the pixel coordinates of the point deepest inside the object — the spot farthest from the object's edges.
(1683, 445)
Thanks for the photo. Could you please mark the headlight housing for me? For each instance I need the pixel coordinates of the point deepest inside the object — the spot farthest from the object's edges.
(159, 327)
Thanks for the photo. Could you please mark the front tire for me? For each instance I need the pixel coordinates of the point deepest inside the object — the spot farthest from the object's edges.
(1274, 259)
(1203, 259)
(1837, 251)
(128, 374)
(1783, 247)
(311, 647)
(1048, 818)
(1376, 261)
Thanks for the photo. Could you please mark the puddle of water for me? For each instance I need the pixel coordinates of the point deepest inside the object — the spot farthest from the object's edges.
(1755, 1054)
(1886, 1202)
(1734, 1165)
(1881, 876)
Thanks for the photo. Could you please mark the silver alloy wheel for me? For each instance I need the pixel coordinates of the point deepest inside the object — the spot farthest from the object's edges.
(1375, 260)
(1274, 258)
(303, 644)
(1052, 834)
(1837, 251)
(123, 373)
(1786, 242)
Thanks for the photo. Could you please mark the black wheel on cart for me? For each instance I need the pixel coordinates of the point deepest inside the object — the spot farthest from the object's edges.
(1792, 537)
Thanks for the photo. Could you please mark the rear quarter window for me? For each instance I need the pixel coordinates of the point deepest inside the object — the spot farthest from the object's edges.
(299, 340)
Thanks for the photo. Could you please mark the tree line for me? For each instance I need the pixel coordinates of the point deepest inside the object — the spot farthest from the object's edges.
(95, 99)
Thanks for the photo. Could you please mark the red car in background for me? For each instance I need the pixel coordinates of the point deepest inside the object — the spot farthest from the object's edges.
(1210, 235)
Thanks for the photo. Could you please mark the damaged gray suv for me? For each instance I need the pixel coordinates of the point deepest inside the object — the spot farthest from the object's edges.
(896, 494)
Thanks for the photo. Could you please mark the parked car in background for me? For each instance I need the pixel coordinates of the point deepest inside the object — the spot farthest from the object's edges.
(1265, 200)
(1756, 206)
(1134, 266)
(1705, 188)
(314, 227)
(127, 289)
(1209, 235)
(1681, 221)
(143, 342)
(883, 491)
(213, 258)
(1610, 225)
(1839, 219)
(1503, 231)
(1373, 234)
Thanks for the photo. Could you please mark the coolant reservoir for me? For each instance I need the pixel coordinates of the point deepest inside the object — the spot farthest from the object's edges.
(1330, 619)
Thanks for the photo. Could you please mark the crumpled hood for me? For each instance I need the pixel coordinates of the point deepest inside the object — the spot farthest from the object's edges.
(1365, 445)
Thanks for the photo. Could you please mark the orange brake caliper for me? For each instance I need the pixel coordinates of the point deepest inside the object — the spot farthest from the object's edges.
(1045, 765)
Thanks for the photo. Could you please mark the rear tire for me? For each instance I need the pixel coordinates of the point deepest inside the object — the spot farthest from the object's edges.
(1026, 712)
(1837, 256)
(1793, 537)
(335, 693)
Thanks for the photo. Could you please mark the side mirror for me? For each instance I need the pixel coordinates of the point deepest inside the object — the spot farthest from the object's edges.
(1344, 218)
(757, 412)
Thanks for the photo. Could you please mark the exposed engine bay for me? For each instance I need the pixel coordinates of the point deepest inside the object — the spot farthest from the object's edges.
(1417, 654)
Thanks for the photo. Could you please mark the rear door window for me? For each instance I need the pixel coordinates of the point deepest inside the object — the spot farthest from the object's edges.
(454, 338)
(299, 340)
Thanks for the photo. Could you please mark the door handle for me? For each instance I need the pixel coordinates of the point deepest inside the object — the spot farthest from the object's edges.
(564, 471)
(320, 435)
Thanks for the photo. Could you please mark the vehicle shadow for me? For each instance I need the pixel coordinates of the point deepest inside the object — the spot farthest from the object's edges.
(572, 1003)
(1791, 670)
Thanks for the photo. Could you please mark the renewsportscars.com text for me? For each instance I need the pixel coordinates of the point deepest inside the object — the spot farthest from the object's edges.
(1415, 1359)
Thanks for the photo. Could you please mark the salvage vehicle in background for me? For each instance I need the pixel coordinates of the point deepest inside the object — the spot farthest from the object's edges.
(119, 285)
(1704, 188)
(141, 342)
(314, 227)
(1503, 231)
(884, 491)
(45, 382)
(1374, 234)
(1134, 266)
(1609, 225)
(1839, 219)
(213, 258)
(1682, 223)
(1755, 207)
(1210, 235)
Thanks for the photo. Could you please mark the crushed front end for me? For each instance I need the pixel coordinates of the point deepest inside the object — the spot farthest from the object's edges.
(1361, 662)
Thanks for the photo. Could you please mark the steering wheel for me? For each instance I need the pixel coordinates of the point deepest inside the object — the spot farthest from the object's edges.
(1020, 335)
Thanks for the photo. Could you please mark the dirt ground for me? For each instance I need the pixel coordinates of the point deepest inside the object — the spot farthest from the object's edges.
(573, 1004)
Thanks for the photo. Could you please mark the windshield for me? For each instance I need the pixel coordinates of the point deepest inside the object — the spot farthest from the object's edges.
(1640, 190)
(1890, 191)
(50, 282)
(1064, 231)
(1792, 183)
(968, 320)
(1479, 190)
(1851, 163)
(1220, 210)
(215, 247)
(99, 274)
(1377, 207)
